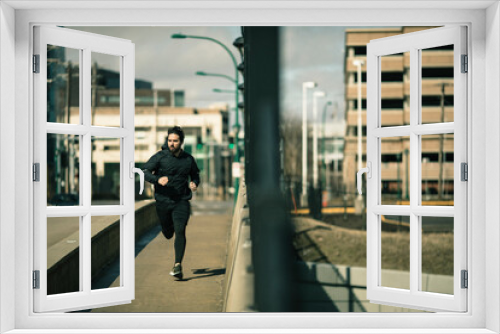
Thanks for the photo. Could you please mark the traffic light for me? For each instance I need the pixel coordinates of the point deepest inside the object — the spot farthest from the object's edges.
(199, 145)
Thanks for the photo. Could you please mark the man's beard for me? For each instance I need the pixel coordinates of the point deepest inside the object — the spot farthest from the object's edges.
(174, 150)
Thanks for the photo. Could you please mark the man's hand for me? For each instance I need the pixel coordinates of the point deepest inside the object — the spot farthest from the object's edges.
(193, 186)
(162, 181)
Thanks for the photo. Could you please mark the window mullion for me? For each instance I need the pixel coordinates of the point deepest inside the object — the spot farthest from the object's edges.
(86, 165)
(414, 169)
(460, 152)
(85, 234)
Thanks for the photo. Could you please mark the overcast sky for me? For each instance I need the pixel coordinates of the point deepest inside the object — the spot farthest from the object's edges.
(307, 54)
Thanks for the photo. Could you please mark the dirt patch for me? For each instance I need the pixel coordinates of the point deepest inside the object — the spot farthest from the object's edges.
(317, 241)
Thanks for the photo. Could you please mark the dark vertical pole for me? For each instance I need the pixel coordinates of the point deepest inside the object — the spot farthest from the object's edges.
(270, 225)
(246, 115)
(441, 147)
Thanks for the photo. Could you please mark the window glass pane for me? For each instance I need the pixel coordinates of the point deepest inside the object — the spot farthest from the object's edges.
(63, 170)
(63, 85)
(395, 89)
(105, 251)
(395, 259)
(438, 169)
(106, 96)
(395, 170)
(106, 171)
(437, 85)
(63, 255)
(437, 255)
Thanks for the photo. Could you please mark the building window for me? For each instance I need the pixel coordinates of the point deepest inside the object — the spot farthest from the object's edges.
(363, 77)
(435, 100)
(179, 98)
(392, 76)
(363, 104)
(392, 103)
(359, 50)
(440, 72)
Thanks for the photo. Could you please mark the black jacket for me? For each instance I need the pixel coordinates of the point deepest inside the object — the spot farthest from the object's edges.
(178, 170)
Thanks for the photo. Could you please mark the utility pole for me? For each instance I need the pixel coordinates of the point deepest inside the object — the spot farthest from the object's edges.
(94, 91)
(316, 95)
(359, 203)
(441, 146)
(305, 86)
(70, 184)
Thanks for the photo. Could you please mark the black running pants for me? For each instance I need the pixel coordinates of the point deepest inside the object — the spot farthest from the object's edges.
(175, 215)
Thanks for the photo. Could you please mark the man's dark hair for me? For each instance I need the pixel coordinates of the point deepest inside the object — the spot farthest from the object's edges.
(178, 131)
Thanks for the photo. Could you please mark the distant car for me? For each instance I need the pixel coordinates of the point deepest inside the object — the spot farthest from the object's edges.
(64, 200)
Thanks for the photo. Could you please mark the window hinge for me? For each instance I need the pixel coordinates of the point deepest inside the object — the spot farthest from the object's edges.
(464, 168)
(465, 279)
(36, 172)
(36, 279)
(465, 64)
(36, 63)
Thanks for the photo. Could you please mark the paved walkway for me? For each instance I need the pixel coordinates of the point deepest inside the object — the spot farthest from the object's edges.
(204, 264)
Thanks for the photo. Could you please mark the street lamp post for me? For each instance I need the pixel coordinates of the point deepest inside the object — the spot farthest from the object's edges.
(425, 162)
(205, 74)
(327, 174)
(359, 199)
(335, 151)
(316, 95)
(305, 86)
(236, 81)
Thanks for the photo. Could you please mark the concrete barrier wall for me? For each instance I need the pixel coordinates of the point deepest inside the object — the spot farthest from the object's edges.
(63, 274)
(321, 287)
(238, 290)
(333, 288)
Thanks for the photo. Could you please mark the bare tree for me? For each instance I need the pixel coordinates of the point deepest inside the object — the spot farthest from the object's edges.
(291, 133)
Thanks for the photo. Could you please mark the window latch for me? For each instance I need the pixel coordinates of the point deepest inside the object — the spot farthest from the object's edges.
(368, 171)
(138, 171)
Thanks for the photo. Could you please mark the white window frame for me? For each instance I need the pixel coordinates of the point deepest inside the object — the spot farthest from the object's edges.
(484, 102)
(414, 43)
(123, 50)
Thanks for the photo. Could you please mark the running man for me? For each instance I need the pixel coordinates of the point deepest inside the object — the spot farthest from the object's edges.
(170, 170)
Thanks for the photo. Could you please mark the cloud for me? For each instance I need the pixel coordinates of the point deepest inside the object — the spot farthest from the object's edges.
(311, 54)
(172, 63)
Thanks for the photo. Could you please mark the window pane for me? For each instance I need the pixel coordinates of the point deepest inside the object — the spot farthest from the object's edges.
(63, 170)
(63, 85)
(395, 89)
(106, 171)
(437, 255)
(438, 169)
(63, 255)
(105, 250)
(106, 96)
(437, 85)
(395, 259)
(395, 170)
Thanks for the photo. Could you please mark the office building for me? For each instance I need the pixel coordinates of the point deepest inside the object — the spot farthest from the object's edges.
(436, 105)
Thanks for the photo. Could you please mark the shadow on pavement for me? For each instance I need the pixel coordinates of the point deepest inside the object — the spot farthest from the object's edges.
(205, 272)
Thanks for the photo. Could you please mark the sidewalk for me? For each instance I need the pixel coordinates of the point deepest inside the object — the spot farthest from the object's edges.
(201, 290)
